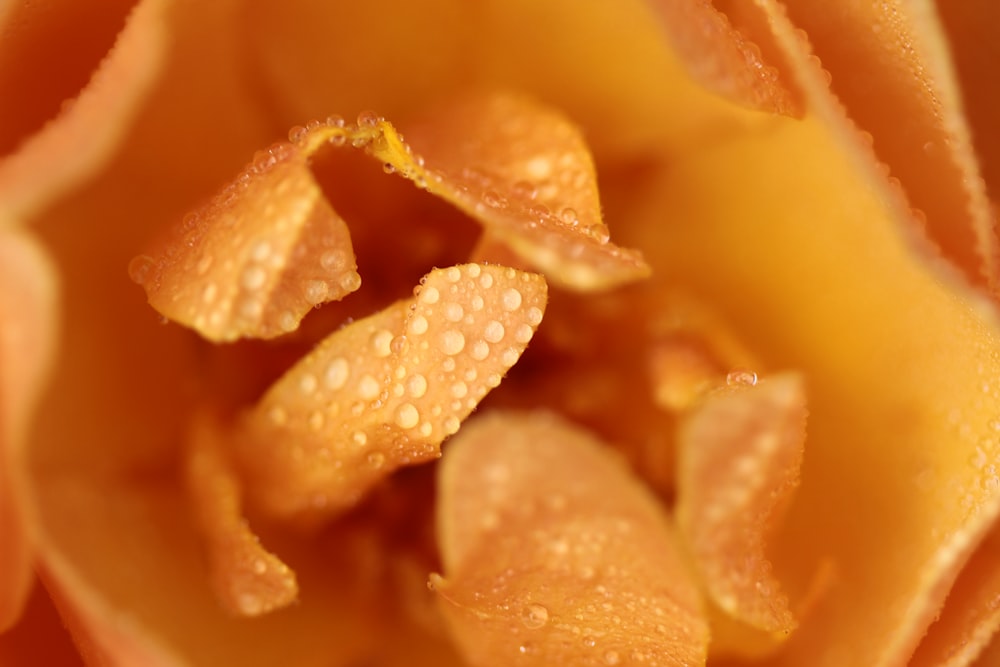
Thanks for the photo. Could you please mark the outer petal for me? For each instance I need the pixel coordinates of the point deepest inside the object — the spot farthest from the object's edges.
(894, 74)
(27, 341)
(89, 128)
(554, 554)
(895, 417)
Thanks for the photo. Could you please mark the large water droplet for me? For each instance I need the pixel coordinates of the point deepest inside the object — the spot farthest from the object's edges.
(139, 269)
(534, 616)
(741, 377)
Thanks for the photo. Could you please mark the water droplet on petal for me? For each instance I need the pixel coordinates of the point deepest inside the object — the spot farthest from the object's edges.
(534, 616)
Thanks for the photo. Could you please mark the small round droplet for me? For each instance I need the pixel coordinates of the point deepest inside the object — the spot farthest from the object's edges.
(452, 342)
(494, 332)
(741, 378)
(511, 299)
(407, 416)
(367, 119)
(381, 342)
(416, 385)
(612, 658)
(430, 295)
(376, 460)
(534, 616)
(336, 374)
(418, 325)
(568, 215)
(297, 134)
(389, 168)
(139, 268)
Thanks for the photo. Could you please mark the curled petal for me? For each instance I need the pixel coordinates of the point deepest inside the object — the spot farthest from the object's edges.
(740, 454)
(86, 133)
(971, 614)
(910, 102)
(27, 345)
(385, 391)
(520, 169)
(723, 58)
(256, 259)
(555, 554)
(248, 580)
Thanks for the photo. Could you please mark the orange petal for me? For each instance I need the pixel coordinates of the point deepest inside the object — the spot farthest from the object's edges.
(519, 168)
(27, 346)
(555, 555)
(740, 454)
(895, 77)
(723, 59)
(969, 27)
(248, 580)
(254, 261)
(971, 615)
(385, 391)
(87, 131)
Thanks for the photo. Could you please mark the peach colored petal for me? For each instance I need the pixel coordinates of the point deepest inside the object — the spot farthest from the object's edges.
(554, 554)
(84, 136)
(723, 59)
(254, 261)
(28, 322)
(385, 391)
(248, 580)
(519, 168)
(970, 28)
(740, 452)
(990, 655)
(971, 615)
(896, 79)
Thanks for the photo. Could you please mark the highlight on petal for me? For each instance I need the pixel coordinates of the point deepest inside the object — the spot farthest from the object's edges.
(725, 60)
(256, 259)
(87, 131)
(740, 452)
(248, 580)
(971, 614)
(28, 314)
(519, 168)
(554, 553)
(895, 78)
(385, 391)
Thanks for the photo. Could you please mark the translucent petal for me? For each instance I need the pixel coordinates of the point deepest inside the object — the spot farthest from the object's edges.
(555, 554)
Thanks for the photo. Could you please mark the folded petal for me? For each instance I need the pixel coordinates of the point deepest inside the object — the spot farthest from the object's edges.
(971, 614)
(86, 132)
(555, 554)
(740, 453)
(895, 417)
(254, 261)
(896, 79)
(385, 391)
(28, 321)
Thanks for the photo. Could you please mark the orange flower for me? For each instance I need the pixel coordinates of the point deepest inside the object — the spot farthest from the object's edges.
(735, 384)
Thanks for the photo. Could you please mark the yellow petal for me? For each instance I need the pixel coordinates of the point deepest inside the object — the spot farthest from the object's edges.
(253, 262)
(724, 59)
(385, 391)
(740, 452)
(895, 77)
(971, 615)
(248, 579)
(555, 555)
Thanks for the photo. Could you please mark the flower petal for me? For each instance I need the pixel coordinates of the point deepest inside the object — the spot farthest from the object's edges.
(971, 615)
(740, 452)
(722, 58)
(87, 131)
(248, 580)
(254, 261)
(28, 320)
(554, 554)
(895, 77)
(385, 391)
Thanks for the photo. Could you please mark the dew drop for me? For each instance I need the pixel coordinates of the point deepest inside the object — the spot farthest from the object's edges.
(376, 460)
(407, 416)
(389, 168)
(511, 299)
(741, 378)
(381, 342)
(451, 425)
(367, 119)
(316, 291)
(335, 120)
(337, 373)
(139, 268)
(612, 658)
(569, 216)
(494, 332)
(430, 295)
(452, 342)
(417, 385)
(493, 199)
(480, 350)
(297, 134)
(534, 616)
(453, 312)
(418, 325)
